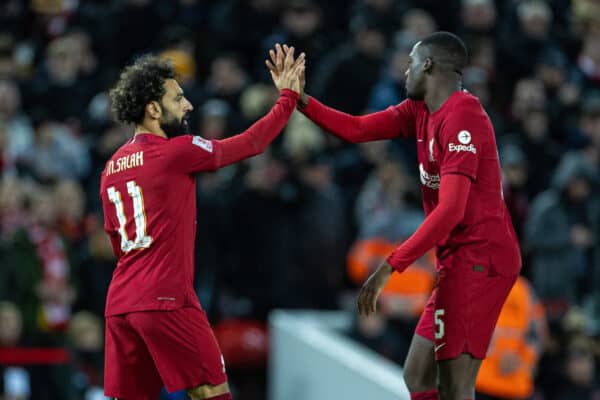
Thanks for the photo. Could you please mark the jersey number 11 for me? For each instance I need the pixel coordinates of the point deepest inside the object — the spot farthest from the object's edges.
(142, 240)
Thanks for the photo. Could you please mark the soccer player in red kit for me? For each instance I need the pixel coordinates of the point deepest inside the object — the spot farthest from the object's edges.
(478, 258)
(156, 331)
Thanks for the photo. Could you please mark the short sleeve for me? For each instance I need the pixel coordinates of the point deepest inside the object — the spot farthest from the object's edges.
(463, 135)
(191, 154)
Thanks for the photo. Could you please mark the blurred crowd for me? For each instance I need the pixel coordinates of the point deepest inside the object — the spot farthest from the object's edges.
(302, 225)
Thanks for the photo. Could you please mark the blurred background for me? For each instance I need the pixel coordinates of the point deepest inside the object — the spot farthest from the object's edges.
(303, 225)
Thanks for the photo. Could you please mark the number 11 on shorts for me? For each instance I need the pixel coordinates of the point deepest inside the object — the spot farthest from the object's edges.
(439, 324)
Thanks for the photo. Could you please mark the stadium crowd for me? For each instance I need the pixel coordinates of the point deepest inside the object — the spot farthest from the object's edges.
(298, 226)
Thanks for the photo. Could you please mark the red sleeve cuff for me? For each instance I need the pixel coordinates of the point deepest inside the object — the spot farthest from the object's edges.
(289, 93)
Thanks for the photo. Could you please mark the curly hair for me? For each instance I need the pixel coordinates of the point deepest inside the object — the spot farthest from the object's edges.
(139, 84)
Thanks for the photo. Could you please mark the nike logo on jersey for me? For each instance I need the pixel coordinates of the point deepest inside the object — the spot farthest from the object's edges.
(439, 346)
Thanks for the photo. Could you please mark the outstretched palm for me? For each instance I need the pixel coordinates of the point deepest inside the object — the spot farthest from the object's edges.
(282, 61)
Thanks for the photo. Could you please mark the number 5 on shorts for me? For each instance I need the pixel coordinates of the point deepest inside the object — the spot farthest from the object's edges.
(439, 324)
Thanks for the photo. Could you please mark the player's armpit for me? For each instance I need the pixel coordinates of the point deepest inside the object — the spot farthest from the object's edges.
(393, 122)
(453, 196)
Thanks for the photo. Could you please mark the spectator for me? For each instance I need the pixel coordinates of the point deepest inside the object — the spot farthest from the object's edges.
(562, 93)
(16, 382)
(579, 371)
(12, 207)
(227, 81)
(418, 23)
(86, 340)
(387, 13)
(362, 57)
(518, 341)
(390, 87)
(322, 227)
(56, 153)
(60, 77)
(533, 64)
(515, 177)
(17, 126)
(478, 18)
(70, 209)
(387, 197)
(302, 26)
(559, 236)
(97, 262)
(39, 272)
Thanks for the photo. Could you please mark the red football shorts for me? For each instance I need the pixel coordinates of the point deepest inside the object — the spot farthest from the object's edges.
(463, 309)
(149, 349)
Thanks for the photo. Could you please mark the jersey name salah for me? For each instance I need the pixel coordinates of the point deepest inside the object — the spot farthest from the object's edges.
(148, 197)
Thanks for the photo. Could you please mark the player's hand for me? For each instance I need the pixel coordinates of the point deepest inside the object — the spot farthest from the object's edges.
(285, 70)
(372, 288)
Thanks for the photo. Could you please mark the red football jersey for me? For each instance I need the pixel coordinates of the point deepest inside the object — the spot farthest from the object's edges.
(148, 194)
(149, 203)
(458, 138)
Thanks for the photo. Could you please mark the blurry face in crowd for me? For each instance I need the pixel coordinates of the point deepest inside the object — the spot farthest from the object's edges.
(11, 196)
(70, 200)
(175, 110)
(10, 98)
(536, 125)
(415, 73)
(226, 75)
(552, 76)
(418, 23)
(86, 331)
(479, 15)
(591, 48)
(528, 94)
(516, 175)
(581, 367)
(62, 61)
(213, 127)
(484, 56)
(590, 125)
(301, 21)
(370, 42)
(10, 325)
(535, 18)
(44, 208)
(578, 190)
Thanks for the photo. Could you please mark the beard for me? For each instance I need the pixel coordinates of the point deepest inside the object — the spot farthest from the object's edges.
(174, 127)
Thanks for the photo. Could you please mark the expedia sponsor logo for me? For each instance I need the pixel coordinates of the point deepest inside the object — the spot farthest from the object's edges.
(429, 180)
(461, 147)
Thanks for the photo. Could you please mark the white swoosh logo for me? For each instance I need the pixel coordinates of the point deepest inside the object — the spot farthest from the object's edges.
(438, 347)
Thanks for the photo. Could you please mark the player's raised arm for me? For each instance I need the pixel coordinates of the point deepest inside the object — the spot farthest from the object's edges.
(254, 140)
(395, 121)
